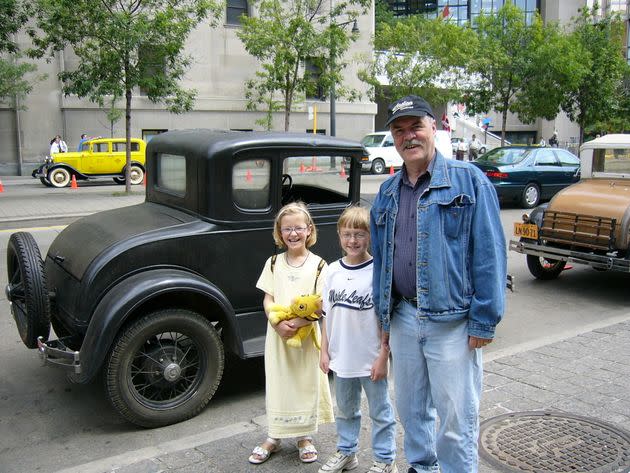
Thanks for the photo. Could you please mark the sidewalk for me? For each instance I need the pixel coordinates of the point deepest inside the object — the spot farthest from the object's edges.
(587, 375)
(26, 199)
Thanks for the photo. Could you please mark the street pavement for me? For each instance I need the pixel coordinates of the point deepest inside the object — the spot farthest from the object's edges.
(583, 373)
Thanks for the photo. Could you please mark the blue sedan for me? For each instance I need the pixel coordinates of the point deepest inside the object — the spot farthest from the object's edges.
(529, 174)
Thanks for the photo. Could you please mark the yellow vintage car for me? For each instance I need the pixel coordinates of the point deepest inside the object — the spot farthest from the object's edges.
(98, 158)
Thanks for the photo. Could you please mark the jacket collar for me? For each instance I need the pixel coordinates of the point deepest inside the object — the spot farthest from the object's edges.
(439, 176)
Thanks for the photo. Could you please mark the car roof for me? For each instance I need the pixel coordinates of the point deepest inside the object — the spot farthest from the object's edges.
(207, 142)
(612, 140)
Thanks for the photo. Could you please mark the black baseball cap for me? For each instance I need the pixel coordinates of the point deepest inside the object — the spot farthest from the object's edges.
(408, 106)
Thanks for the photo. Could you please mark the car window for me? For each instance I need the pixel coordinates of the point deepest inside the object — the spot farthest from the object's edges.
(611, 160)
(545, 157)
(372, 141)
(567, 159)
(171, 173)
(315, 180)
(121, 146)
(507, 155)
(389, 141)
(250, 184)
(100, 148)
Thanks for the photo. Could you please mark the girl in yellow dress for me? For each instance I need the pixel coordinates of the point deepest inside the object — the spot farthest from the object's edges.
(297, 392)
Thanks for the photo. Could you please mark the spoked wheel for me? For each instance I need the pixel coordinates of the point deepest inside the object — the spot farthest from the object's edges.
(164, 368)
(45, 181)
(26, 290)
(543, 268)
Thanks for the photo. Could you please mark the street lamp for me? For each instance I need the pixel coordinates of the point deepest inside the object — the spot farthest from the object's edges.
(333, 118)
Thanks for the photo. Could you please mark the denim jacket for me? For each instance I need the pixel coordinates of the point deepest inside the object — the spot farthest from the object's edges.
(461, 260)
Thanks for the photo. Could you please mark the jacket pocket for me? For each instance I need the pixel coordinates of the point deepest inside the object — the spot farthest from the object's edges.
(454, 213)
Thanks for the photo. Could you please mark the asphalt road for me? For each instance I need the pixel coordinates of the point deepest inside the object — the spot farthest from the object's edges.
(47, 423)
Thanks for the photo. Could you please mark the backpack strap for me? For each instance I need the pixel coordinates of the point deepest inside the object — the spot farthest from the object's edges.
(320, 266)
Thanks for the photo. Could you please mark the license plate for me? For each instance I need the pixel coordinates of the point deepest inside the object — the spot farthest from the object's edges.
(526, 230)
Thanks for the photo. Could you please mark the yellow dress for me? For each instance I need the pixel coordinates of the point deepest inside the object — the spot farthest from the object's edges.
(297, 392)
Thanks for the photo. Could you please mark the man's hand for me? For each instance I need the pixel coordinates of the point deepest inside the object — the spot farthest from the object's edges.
(476, 342)
(324, 361)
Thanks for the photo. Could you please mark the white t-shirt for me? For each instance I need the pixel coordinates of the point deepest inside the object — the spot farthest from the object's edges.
(352, 327)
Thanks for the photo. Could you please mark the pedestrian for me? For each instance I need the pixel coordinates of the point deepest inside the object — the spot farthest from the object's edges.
(461, 149)
(349, 316)
(84, 138)
(297, 393)
(57, 145)
(473, 148)
(542, 142)
(439, 281)
(553, 141)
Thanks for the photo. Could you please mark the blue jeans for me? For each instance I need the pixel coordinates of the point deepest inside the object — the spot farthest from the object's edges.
(436, 374)
(348, 418)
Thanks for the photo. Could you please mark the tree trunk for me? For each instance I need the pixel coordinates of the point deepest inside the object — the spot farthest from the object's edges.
(128, 138)
(503, 125)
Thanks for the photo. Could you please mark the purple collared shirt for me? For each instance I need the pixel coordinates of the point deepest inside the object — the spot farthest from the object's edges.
(406, 233)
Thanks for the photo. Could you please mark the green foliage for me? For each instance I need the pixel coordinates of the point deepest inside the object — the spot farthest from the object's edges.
(15, 82)
(601, 101)
(283, 36)
(520, 68)
(427, 57)
(121, 45)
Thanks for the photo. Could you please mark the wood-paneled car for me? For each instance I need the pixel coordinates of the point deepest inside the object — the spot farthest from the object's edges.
(587, 222)
(156, 294)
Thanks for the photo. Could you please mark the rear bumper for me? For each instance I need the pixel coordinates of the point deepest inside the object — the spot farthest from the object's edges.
(55, 352)
(606, 262)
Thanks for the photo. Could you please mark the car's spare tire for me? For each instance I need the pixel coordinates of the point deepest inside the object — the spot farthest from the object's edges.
(26, 290)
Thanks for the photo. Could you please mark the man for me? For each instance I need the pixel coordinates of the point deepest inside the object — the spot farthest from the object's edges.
(473, 148)
(439, 279)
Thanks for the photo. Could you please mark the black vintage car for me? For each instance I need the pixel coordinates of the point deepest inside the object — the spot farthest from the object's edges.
(156, 294)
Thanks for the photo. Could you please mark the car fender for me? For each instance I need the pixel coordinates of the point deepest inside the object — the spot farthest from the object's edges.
(72, 169)
(120, 302)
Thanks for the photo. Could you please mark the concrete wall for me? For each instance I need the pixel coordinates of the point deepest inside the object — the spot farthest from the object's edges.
(220, 67)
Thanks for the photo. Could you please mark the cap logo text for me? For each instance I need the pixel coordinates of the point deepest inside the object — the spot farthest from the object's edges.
(402, 106)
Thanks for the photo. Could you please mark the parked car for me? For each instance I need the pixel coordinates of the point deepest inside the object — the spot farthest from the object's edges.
(98, 158)
(155, 294)
(529, 174)
(586, 223)
(383, 154)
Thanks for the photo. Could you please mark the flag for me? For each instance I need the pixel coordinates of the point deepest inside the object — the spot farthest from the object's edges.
(446, 12)
(446, 126)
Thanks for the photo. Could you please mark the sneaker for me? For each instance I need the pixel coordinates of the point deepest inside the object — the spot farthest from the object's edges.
(339, 462)
(378, 467)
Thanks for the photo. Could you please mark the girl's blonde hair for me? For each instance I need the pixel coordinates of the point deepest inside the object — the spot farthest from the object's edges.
(354, 217)
(292, 209)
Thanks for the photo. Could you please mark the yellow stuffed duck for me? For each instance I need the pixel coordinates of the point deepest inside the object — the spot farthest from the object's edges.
(305, 307)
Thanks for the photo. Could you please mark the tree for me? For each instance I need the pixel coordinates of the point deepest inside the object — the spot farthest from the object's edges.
(14, 84)
(601, 97)
(421, 56)
(122, 45)
(287, 34)
(520, 68)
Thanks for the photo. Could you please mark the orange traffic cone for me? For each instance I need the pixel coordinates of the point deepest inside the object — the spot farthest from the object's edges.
(248, 176)
(391, 170)
(343, 171)
(74, 184)
(1, 188)
(302, 167)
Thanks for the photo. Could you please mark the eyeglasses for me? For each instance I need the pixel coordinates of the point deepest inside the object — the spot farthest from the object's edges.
(359, 236)
(289, 230)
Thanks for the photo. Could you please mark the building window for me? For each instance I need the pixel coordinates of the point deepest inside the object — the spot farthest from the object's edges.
(234, 10)
(151, 62)
(147, 135)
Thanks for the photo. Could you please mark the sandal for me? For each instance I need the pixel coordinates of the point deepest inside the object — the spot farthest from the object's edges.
(307, 452)
(260, 454)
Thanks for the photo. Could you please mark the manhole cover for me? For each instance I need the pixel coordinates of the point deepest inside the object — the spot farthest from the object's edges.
(553, 442)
